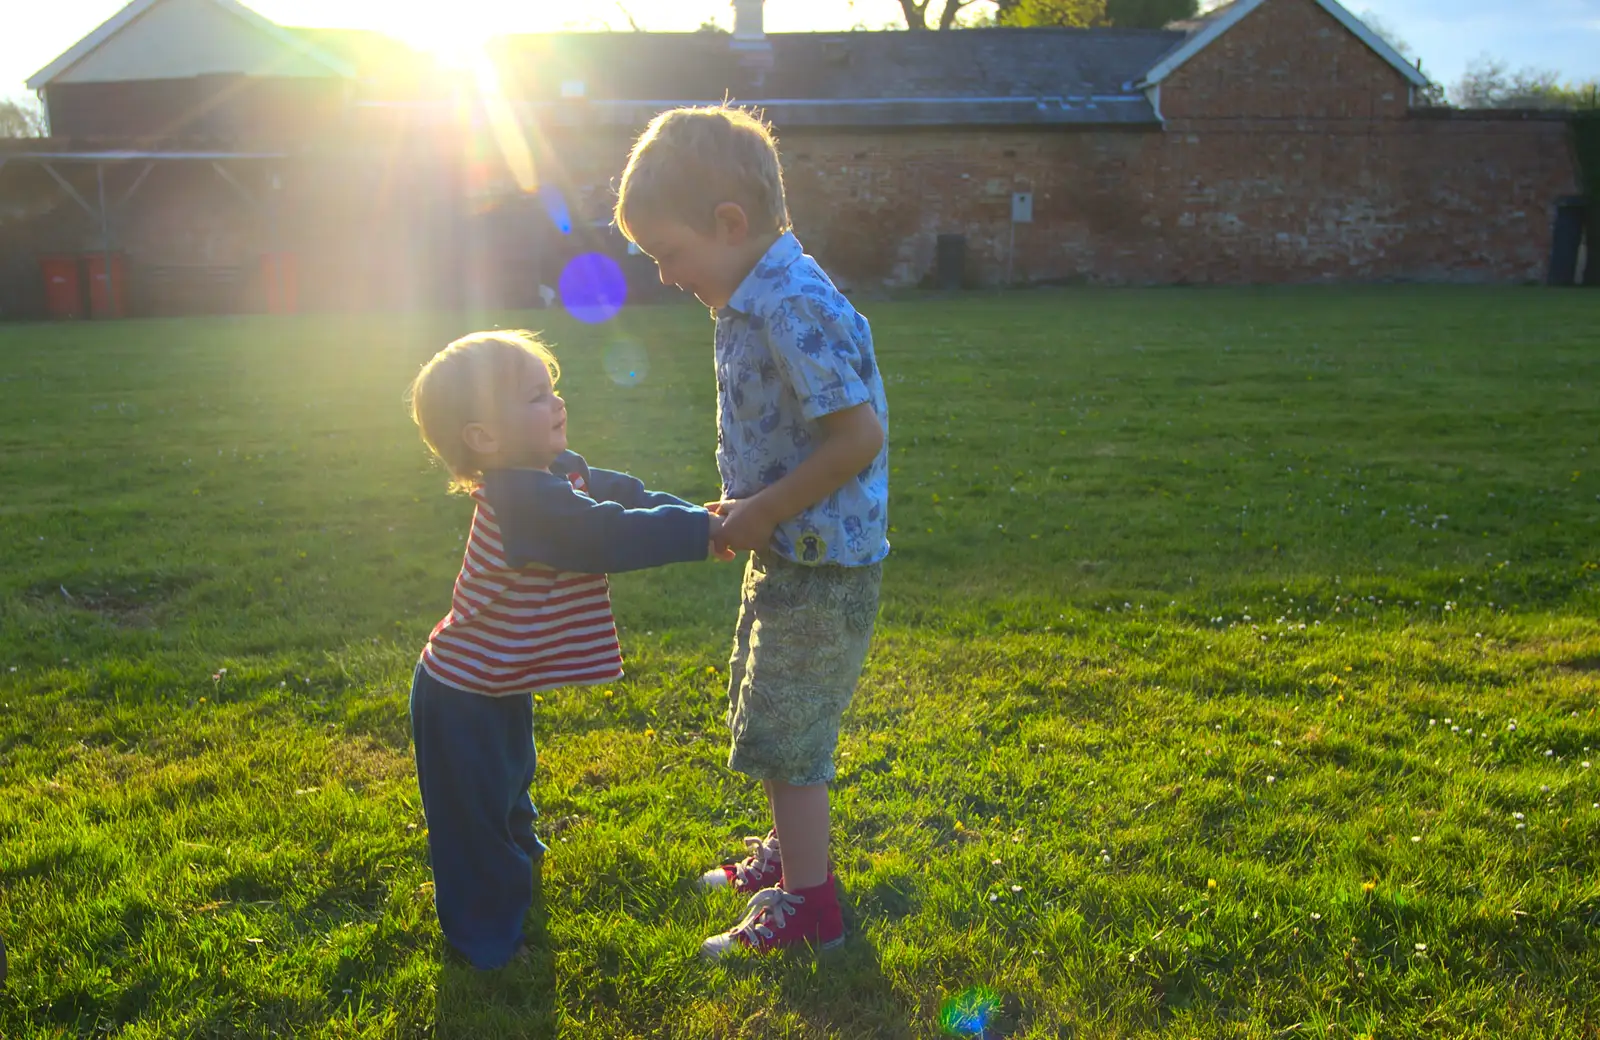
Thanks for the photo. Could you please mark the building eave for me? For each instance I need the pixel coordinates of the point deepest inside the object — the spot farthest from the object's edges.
(1243, 8)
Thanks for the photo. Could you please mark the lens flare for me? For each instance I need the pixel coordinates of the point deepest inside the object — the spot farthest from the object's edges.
(593, 288)
(969, 1013)
(625, 361)
(503, 123)
(555, 204)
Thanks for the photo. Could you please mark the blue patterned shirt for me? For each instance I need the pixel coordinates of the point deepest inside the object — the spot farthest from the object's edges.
(791, 349)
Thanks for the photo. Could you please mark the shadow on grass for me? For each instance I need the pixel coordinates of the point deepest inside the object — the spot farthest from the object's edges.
(517, 1001)
(845, 992)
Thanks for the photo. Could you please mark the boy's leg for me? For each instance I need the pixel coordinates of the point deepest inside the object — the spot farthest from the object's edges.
(470, 758)
(763, 867)
(808, 631)
(801, 816)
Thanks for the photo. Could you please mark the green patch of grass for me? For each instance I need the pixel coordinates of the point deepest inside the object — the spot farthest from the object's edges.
(1237, 673)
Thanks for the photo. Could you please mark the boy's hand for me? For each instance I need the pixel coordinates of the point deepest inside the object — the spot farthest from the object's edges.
(715, 549)
(745, 524)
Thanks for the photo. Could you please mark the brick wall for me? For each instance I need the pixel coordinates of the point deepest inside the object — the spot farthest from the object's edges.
(1287, 59)
(1289, 155)
(1231, 201)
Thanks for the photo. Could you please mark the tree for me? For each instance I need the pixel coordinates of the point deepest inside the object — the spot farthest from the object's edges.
(1488, 82)
(1077, 13)
(21, 118)
(945, 12)
(1149, 14)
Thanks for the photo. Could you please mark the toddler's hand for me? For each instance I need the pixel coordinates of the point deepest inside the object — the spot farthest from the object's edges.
(715, 549)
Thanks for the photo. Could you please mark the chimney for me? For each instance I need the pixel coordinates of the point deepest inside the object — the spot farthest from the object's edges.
(750, 45)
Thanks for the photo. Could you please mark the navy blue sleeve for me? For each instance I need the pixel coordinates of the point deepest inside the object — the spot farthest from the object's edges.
(607, 485)
(543, 520)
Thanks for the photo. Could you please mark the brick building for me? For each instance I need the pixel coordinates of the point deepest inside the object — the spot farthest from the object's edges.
(1273, 141)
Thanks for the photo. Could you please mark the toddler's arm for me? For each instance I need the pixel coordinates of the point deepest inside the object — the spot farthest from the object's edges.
(543, 520)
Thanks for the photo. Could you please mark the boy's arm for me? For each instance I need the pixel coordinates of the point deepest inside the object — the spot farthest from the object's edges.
(543, 520)
(606, 485)
(851, 439)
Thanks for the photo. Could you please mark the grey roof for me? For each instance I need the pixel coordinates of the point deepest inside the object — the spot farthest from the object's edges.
(969, 76)
(965, 63)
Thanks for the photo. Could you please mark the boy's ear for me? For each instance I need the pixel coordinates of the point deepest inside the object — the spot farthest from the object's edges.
(479, 438)
(732, 223)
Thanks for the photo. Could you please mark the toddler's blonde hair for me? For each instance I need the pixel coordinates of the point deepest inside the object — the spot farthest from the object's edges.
(690, 160)
(470, 381)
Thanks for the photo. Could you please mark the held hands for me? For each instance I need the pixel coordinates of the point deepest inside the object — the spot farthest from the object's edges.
(714, 550)
(744, 525)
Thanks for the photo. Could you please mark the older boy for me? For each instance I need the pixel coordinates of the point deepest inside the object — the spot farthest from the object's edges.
(801, 445)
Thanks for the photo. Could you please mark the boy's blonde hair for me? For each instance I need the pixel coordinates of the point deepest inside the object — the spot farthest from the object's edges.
(688, 161)
(471, 380)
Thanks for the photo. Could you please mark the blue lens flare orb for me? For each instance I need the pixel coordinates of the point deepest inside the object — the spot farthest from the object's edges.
(593, 288)
(969, 1013)
(625, 361)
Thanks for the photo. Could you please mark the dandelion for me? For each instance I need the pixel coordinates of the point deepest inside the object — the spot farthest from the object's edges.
(537, 699)
(1415, 838)
(1016, 888)
(1211, 884)
(1316, 917)
(649, 733)
(1422, 947)
(1368, 886)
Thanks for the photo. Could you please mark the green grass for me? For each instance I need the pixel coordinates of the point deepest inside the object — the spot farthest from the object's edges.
(1187, 587)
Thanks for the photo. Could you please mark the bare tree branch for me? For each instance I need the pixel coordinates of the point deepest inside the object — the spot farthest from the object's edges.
(629, 16)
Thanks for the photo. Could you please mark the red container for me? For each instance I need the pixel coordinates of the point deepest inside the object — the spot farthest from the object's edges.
(63, 286)
(104, 303)
(280, 278)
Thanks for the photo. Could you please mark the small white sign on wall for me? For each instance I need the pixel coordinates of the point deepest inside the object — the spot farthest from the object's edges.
(1022, 207)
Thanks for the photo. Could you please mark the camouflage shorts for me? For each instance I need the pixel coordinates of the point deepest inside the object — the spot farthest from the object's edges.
(802, 639)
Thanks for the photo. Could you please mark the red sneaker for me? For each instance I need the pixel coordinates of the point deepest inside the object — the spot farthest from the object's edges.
(763, 868)
(779, 919)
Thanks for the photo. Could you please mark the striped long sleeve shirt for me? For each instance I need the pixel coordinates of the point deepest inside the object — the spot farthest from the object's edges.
(532, 608)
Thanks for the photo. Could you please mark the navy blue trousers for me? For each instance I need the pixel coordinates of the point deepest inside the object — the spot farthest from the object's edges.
(475, 761)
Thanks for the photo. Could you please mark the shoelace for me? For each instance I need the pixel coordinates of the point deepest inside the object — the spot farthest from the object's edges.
(772, 904)
(762, 852)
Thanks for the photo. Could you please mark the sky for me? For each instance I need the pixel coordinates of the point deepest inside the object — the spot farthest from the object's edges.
(1563, 35)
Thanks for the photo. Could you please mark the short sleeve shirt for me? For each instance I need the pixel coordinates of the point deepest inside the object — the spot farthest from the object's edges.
(791, 349)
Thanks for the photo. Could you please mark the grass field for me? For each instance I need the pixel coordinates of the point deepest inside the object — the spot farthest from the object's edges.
(1238, 676)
